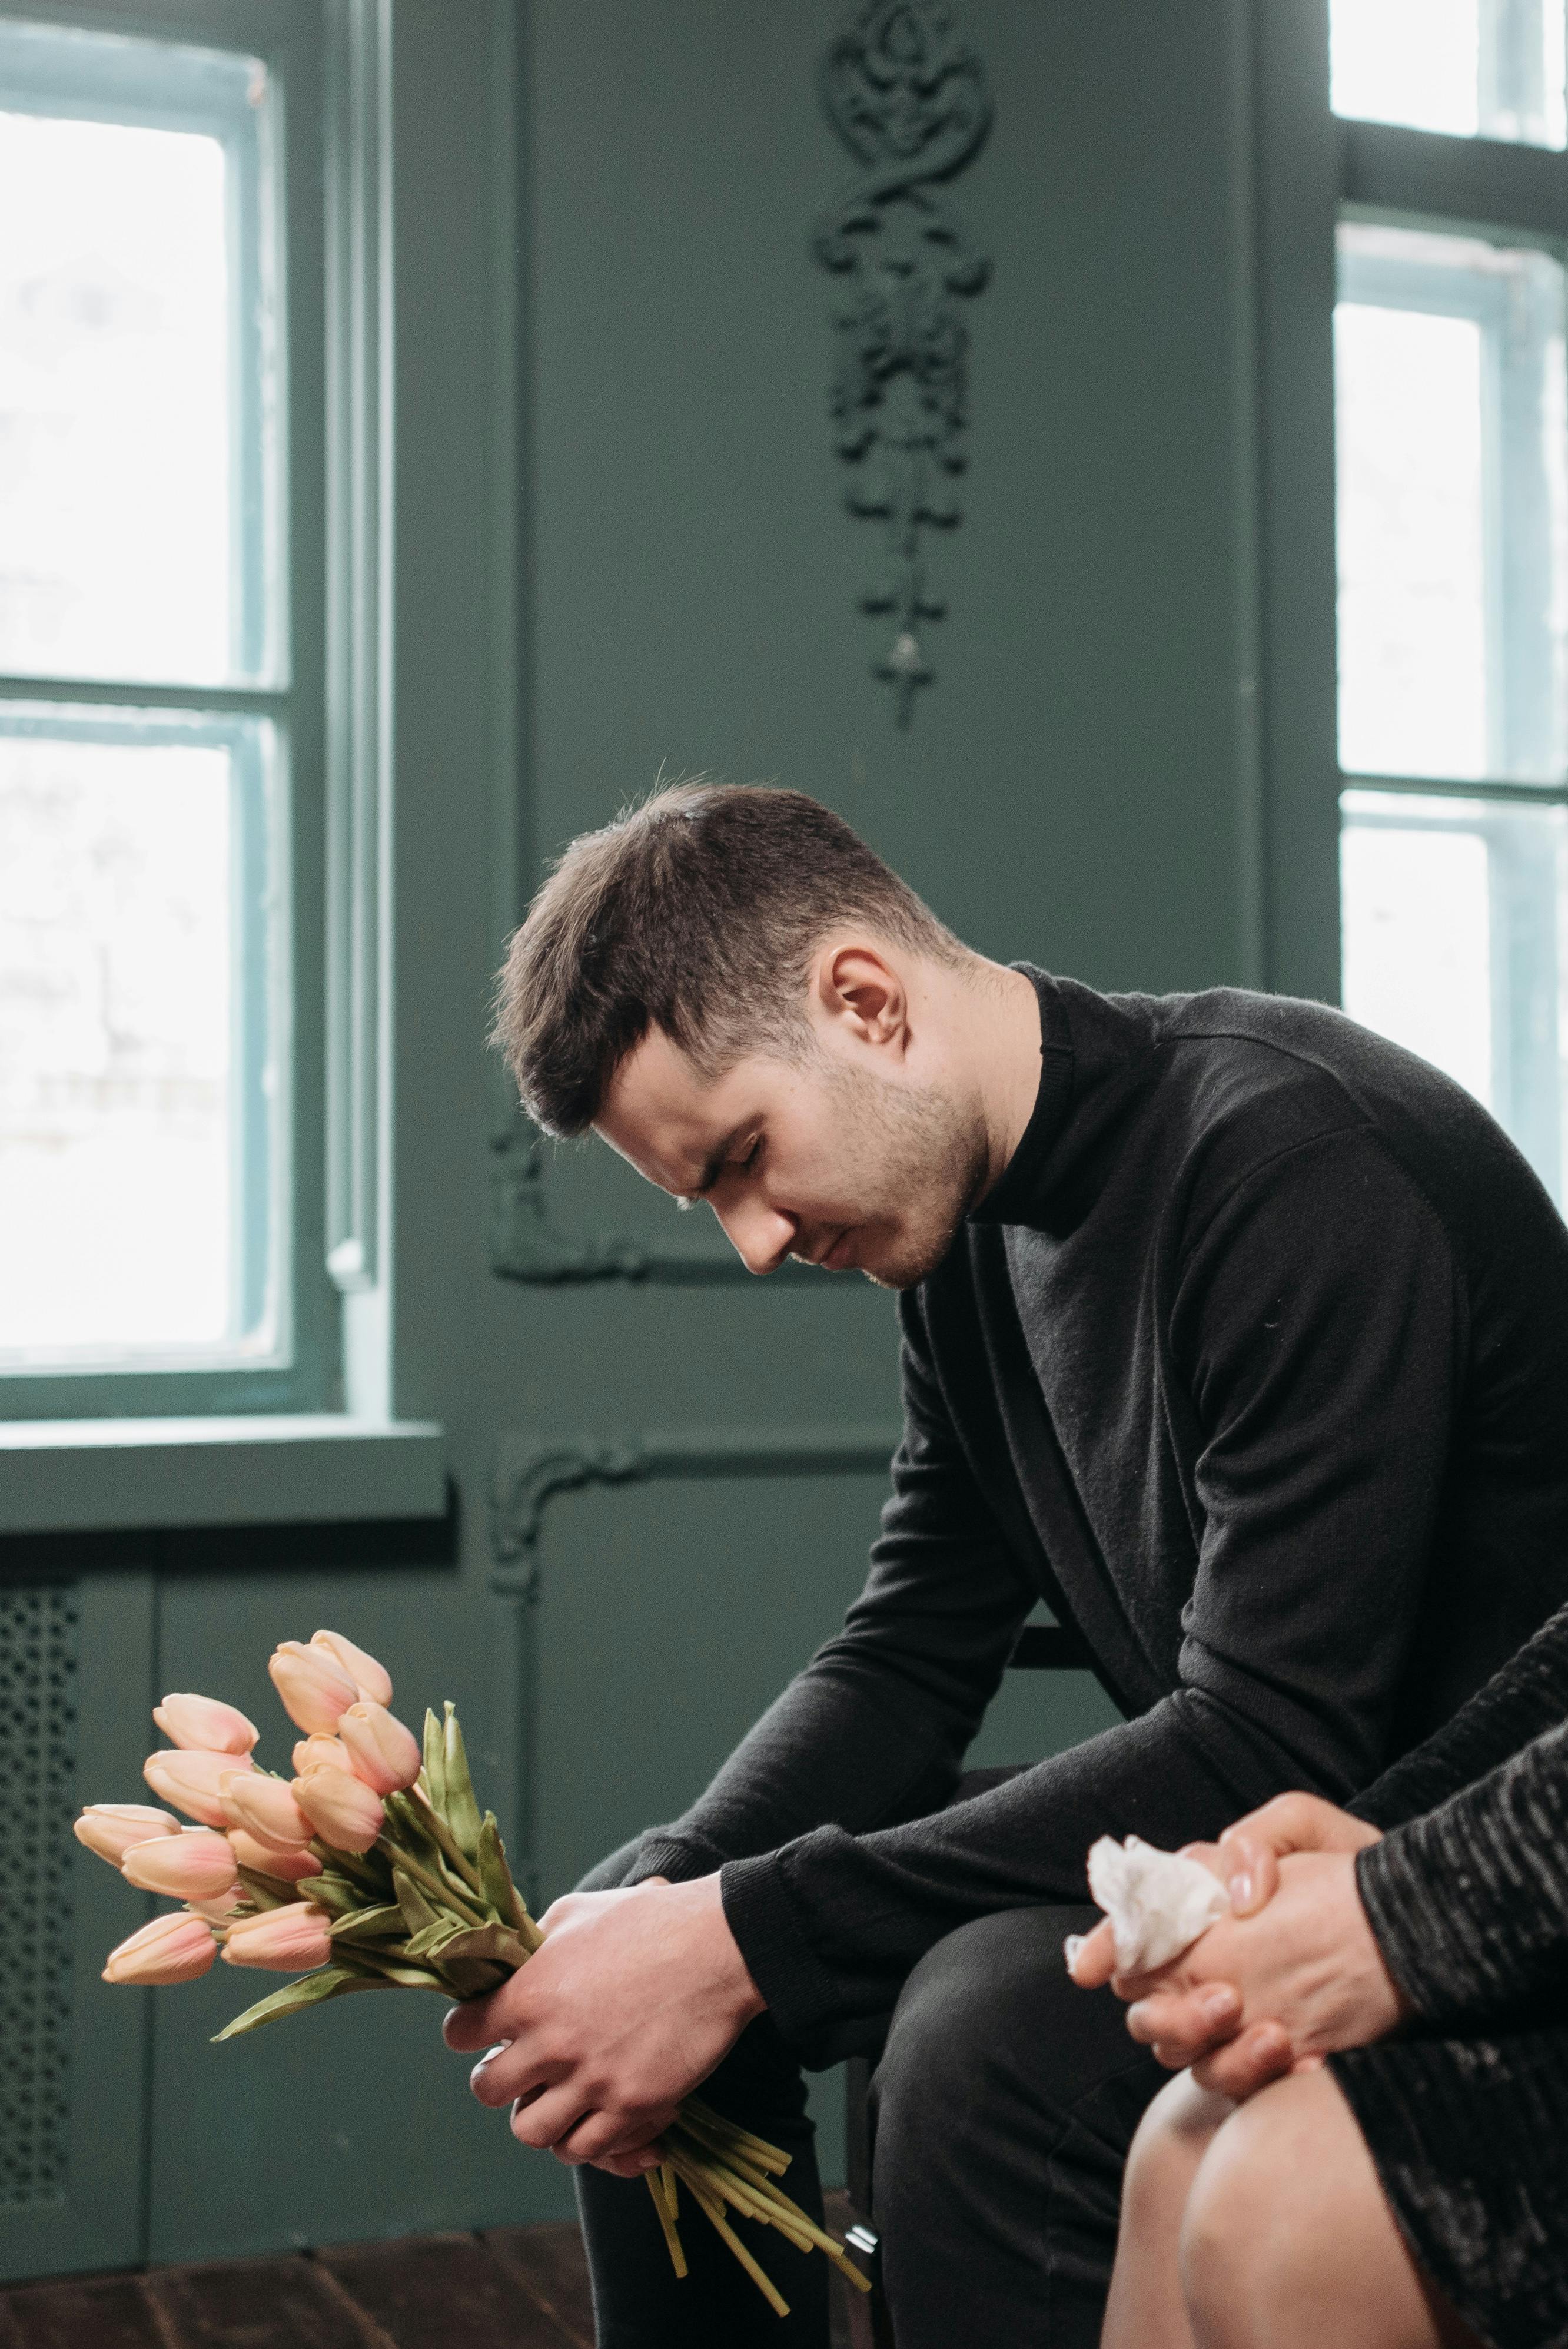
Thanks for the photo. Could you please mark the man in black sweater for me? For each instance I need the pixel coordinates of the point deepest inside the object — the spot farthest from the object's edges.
(1235, 1334)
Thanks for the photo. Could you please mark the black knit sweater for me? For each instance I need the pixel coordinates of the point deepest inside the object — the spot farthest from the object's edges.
(1255, 1367)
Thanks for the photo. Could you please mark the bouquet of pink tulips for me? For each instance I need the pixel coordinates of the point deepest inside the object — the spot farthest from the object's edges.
(371, 1870)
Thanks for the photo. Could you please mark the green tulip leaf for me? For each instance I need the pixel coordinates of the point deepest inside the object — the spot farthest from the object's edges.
(417, 1912)
(435, 1770)
(368, 1925)
(333, 1893)
(311, 1990)
(265, 1891)
(498, 1944)
(471, 1977)
(494, 1874)
(459, 1809)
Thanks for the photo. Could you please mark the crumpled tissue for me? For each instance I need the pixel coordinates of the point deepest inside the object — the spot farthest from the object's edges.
(1157, 1901)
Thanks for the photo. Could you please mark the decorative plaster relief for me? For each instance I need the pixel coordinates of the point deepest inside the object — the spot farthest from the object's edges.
(529, 1475)
(908, 98)
(526, 1244)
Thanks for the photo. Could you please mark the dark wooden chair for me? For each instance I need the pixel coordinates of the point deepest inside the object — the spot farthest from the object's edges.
(1041, 1648)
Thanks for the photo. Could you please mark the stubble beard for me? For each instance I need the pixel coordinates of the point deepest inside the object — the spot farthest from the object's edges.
(919, 1161)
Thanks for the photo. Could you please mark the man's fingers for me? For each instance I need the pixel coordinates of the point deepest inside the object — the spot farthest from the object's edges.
(544, 2119)
(507, 2072)
(476, 2024)
(1249, 2061)
(1091, 1957)
(605, 2137)
(1185, 2023)
(629, 2165)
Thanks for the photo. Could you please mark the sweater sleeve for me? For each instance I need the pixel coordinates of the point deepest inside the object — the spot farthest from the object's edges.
(1312, 1339)
(1469, 1904)
(874, 1729)
(1528, 1695)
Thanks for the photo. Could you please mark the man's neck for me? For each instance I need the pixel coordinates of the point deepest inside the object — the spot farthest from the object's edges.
(1001, 1019)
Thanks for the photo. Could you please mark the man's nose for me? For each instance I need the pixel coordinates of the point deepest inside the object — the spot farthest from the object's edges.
(760, 1235)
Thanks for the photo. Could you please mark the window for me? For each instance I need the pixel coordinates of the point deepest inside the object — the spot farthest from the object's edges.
(1451, 451)
(160, 790)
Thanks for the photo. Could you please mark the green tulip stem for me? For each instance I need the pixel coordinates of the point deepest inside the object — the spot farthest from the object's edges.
(446, 1895)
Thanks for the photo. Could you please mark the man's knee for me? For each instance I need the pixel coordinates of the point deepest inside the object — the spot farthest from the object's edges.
(990, 2032)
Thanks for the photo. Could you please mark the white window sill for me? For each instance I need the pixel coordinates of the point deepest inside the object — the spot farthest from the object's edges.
(85, 1476)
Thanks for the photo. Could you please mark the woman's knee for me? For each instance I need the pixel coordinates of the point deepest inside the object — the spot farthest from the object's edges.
(1286, 2232)
(1172, 2138)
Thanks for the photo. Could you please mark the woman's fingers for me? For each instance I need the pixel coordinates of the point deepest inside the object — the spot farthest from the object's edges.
(1182, 2024)
(1249, 2061)
(1091, 1957)
(1249, 1865)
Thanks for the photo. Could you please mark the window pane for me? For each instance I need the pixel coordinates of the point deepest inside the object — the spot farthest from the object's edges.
(136, 1141)
(1452, 423)
(1492, 68)
(132, 347)
(1454, 944)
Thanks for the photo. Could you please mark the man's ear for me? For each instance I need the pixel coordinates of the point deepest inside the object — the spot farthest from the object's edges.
(859, 990)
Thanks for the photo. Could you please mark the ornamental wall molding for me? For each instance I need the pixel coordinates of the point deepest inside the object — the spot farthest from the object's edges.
(529, 1473)
(527, 1244)
(908, 98)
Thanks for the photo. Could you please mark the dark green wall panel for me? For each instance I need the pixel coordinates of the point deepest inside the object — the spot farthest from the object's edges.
(678, 587)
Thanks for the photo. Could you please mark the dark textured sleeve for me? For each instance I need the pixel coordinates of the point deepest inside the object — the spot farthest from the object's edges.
(1469, 1904)
(1313, 1330)
(875, 1728)
(1529, 1694)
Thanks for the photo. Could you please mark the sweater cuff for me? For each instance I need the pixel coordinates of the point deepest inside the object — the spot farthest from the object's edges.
(760, 1912)
(1432, 1945)
(678, 1858)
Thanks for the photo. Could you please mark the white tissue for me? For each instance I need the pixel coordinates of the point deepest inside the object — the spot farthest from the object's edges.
(1157, 1901)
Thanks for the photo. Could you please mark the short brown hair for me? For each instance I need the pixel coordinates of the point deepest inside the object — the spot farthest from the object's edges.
(698, 913)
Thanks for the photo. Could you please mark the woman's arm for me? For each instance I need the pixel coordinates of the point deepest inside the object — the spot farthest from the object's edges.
(1469, 1904)
(1459, 1917)
(1528, 1695)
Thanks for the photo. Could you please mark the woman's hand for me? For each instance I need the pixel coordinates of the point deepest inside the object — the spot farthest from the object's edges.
(1291, 1975)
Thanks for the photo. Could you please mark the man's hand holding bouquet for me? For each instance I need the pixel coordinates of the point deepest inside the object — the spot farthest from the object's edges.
(372, 1868)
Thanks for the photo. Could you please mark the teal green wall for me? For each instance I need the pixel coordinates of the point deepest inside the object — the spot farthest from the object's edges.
(620, 545)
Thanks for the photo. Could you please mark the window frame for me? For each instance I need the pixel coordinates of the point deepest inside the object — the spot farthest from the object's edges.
(287, 692)
(1312, 170)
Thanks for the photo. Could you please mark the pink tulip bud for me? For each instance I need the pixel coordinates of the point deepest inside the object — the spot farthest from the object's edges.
(372, 1680)
(202, 1722)
(381, 1751)
(219, 1911)
(286, 1940)
(343, 1810)
(314, 1686)
(320, 1753)
(171, 1950)
(266, 1808)
(288, 1867)
(110, 1828)
(195, 1865)
(192, 1782)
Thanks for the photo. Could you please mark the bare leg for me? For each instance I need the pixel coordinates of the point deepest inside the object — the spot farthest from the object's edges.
(1288, 2241)
(1145, 2309)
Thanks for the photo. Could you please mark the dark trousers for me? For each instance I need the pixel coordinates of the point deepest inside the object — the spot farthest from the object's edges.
(1001, 2110)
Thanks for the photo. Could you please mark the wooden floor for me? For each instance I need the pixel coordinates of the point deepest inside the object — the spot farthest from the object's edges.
(515, 2288)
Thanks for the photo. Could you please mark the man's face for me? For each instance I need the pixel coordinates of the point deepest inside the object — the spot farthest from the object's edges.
(831, 1161)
